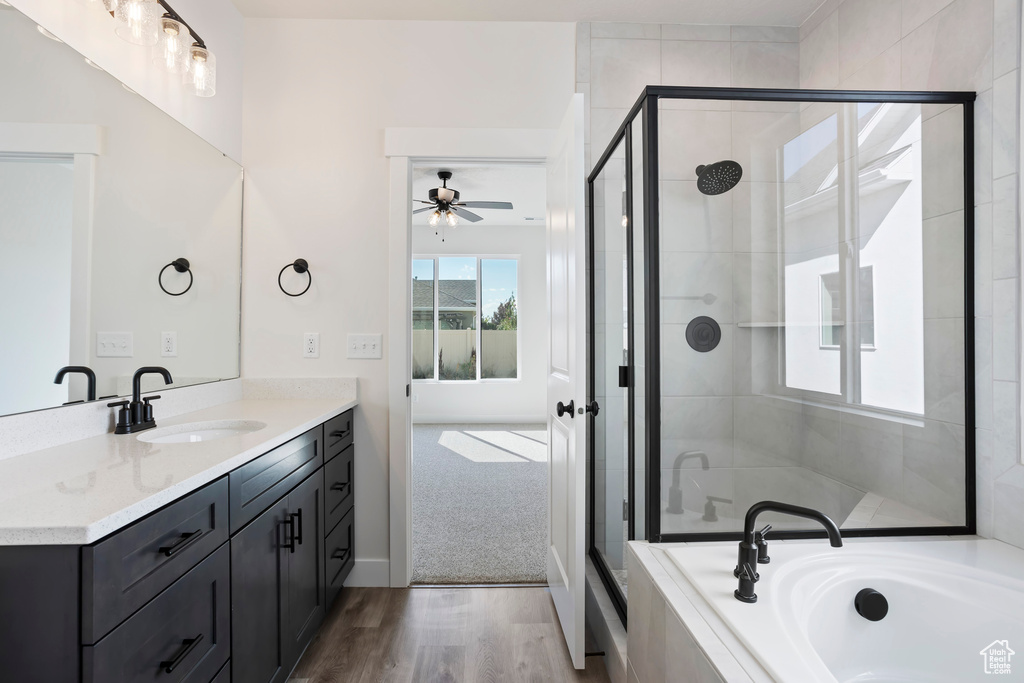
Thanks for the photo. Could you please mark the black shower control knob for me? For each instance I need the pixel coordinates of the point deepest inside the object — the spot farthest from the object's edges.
(871, 604)
(703, 334)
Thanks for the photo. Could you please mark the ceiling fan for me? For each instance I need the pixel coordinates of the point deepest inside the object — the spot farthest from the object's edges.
(444, 202)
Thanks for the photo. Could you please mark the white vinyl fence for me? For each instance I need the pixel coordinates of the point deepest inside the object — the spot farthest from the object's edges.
(498, 358)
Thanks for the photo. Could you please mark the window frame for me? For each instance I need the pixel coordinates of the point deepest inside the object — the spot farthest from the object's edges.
(436, 379)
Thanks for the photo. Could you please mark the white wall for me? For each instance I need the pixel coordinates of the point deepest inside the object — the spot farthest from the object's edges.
(90, 30)
(521, 400)
(315, 110)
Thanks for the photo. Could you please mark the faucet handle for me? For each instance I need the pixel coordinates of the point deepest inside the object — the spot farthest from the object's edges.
(123, 415)
(147, 408)
(762, 545)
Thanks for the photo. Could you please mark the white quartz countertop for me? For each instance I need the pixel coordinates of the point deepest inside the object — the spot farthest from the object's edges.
(79, 492)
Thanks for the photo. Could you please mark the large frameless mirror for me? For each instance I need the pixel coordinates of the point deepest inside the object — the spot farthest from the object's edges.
(121, 231)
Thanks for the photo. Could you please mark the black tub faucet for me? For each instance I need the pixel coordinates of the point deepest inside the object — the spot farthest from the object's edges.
(90, 376)
(137, 415)
(754, 548)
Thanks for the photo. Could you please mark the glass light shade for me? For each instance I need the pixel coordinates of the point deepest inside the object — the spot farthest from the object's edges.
(200, 75)
(138, 21)
(435, 218)
(172, 48)
(452, 218)
(111, 5)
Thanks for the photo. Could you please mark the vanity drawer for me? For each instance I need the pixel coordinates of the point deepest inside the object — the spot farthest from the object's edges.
(337, 435)
(123, 572)
(338, 496)
(339, 555)
(186, 629)
(256, 485)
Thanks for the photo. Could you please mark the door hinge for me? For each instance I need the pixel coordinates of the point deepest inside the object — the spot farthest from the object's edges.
(623, 376)
(408, 390)
(625, 510)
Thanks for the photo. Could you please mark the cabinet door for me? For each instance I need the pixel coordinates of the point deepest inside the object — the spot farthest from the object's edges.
(259, 577)
(305, 609)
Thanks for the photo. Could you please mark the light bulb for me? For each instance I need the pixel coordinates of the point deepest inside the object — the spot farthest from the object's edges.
(201, 71)
(136, 21)
(173, 45)
(435, 218)
(451, 218)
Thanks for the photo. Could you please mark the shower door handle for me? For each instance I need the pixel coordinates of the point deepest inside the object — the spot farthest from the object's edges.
(563, 409)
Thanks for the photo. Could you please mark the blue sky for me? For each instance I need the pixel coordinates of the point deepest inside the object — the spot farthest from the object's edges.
(497, 285)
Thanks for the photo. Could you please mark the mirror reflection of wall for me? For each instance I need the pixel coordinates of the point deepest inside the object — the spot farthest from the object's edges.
(99, 190)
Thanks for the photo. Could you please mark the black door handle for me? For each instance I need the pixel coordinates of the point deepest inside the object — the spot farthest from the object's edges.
(289, 533)
(563, 409)
(189, 644)
(593, 408)
(183, 542)
(298, 534)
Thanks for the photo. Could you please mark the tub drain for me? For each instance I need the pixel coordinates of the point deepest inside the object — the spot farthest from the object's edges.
(703, 334)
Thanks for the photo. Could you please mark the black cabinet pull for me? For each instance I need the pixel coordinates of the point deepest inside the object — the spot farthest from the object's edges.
(183, 542)
(289, 533)
(342, 433)
(187, 645)
(341, 554)
(339, 486)
(298, 534)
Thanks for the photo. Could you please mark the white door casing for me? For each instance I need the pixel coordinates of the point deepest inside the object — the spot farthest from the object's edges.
(567, 444)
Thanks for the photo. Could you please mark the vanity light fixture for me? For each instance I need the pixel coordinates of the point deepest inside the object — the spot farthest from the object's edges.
(178, 47)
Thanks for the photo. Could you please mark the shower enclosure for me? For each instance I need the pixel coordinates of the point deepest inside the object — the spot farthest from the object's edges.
(781, 309)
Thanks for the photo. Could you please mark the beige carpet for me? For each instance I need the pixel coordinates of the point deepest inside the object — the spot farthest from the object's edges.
(479, 504)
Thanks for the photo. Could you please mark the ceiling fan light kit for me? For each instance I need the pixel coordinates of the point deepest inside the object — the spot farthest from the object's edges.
(444, 204)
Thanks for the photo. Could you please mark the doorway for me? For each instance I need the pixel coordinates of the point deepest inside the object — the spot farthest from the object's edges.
(478, 326)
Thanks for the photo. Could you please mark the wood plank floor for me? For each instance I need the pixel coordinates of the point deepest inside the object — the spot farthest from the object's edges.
(442, 635)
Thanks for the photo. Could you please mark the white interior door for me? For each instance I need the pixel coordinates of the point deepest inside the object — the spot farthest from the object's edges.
(567, 362)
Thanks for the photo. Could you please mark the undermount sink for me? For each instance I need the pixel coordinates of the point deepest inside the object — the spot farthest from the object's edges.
(197, 432)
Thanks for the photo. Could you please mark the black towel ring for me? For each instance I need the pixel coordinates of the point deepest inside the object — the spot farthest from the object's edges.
(300, 266)
(182, 266)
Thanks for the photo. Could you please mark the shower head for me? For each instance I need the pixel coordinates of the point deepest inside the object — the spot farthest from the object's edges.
(718, 177)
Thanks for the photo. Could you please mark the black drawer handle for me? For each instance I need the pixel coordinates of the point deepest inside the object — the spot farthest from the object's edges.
(341, 554)
(298, 534)
(188, 645)
(185, 541)
(290, 533)
(339, 486)
(342, 433)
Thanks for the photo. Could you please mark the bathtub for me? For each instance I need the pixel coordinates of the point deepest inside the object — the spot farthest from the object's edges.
(956, 611)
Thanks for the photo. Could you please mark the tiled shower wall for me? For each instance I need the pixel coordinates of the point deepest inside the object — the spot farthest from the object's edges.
(863, 44)
(958, 45)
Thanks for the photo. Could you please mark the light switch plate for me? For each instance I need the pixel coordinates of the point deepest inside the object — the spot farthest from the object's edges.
(114, 345)
(365, 346)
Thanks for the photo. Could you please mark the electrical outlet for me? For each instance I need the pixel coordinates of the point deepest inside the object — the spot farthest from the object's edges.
(311, 345)
(365, 346)
(169, 344)
(114, 345)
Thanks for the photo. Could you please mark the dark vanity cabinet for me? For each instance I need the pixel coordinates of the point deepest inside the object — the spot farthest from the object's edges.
(228, 584)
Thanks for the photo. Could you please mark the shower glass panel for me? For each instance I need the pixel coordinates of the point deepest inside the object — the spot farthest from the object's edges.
(801, 310)
(611, 354)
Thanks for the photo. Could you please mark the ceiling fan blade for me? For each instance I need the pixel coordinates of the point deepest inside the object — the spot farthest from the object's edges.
(486, 205)
(423, 201)
(468, 215)
(428, 208)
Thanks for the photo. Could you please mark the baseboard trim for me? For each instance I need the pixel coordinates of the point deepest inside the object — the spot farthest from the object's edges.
(370, 574)
(479, 419)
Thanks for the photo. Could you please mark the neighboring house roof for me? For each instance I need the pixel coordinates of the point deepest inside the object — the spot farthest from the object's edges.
(451, 294)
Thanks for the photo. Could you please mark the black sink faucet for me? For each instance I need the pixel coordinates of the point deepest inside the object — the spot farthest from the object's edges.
(90, 376)
(754, 549)
(138, 414)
